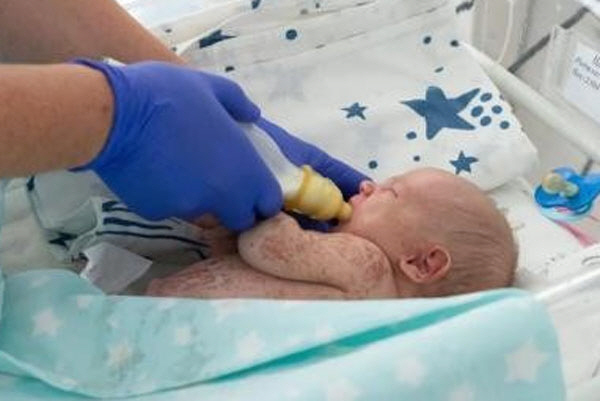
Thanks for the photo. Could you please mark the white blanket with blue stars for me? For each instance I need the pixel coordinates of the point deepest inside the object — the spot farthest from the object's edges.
(384, 85)
(61, 339)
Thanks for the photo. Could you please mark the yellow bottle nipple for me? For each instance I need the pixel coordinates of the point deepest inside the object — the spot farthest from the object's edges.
(318, 197)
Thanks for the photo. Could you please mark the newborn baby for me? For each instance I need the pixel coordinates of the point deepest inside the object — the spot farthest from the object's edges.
(422, 234)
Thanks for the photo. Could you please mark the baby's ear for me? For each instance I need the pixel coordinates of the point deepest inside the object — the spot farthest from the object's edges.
(430, 264)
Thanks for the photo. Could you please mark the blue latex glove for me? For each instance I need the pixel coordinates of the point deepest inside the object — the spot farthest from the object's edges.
(175, 147)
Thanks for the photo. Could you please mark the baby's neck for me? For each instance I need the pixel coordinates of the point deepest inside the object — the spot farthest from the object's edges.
(404, 287)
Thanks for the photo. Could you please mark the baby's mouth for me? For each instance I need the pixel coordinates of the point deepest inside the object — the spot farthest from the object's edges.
(356, 200)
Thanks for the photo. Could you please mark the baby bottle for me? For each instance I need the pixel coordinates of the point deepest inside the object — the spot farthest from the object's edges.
(304, 190)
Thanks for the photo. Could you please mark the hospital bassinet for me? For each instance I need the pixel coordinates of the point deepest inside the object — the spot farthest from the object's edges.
(562, 274)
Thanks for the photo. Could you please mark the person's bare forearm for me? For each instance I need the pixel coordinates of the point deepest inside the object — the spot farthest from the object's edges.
(47, 31)
(51, 117)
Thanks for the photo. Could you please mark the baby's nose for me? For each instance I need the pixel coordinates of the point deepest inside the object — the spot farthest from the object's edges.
(367, 187)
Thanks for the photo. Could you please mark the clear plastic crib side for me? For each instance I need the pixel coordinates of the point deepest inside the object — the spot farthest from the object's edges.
(572, 298)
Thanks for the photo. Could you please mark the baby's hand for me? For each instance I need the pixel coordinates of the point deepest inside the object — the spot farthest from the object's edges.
(220, 240)
(207, 221)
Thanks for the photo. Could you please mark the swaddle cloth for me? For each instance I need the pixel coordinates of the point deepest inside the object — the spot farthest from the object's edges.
(77, 212)
(58, 329)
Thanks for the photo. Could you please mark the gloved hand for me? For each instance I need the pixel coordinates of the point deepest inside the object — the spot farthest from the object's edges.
(175, 148)
(300, 152)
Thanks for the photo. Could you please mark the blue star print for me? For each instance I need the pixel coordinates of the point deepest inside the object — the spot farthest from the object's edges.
(62, 239)
(463, 163)
(440, 112)
(356, 110)
(215, 37)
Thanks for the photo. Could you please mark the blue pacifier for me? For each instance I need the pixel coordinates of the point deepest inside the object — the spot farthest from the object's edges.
(565, 195)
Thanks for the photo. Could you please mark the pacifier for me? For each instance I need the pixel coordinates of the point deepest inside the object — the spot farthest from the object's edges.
(564, 195)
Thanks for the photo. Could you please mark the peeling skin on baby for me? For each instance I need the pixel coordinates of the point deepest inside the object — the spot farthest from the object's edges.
(279, 260)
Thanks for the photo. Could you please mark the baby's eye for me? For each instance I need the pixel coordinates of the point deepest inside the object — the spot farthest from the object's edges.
(391, 190)
(396, 190)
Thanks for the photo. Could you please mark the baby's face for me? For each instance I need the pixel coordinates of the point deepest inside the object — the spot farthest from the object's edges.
(392, 214)
(385, 210)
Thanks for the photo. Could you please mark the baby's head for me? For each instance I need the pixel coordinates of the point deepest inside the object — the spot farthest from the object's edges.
(442, 234)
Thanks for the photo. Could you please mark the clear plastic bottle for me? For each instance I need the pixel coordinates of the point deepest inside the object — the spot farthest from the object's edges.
(304, 190)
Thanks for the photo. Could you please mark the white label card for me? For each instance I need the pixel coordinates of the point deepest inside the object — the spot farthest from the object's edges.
(582, 84)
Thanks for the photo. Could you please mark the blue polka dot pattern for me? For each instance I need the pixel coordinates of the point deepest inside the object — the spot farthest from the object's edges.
(486, 97)
(504, 125)
(373, 164)
(411, 135)
(485, 121)
(417, 158)
(454, 43)
(477, 111)
(291, 34)
(427, 40)
(497, 109)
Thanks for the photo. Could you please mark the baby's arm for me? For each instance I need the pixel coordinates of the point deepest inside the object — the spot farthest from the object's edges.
(281, 248)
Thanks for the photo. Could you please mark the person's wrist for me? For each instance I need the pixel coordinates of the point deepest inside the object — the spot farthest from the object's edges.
(99, 115)
(120, 118)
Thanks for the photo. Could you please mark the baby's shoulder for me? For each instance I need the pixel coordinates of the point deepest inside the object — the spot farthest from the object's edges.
(349, 241)
(361, 254)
